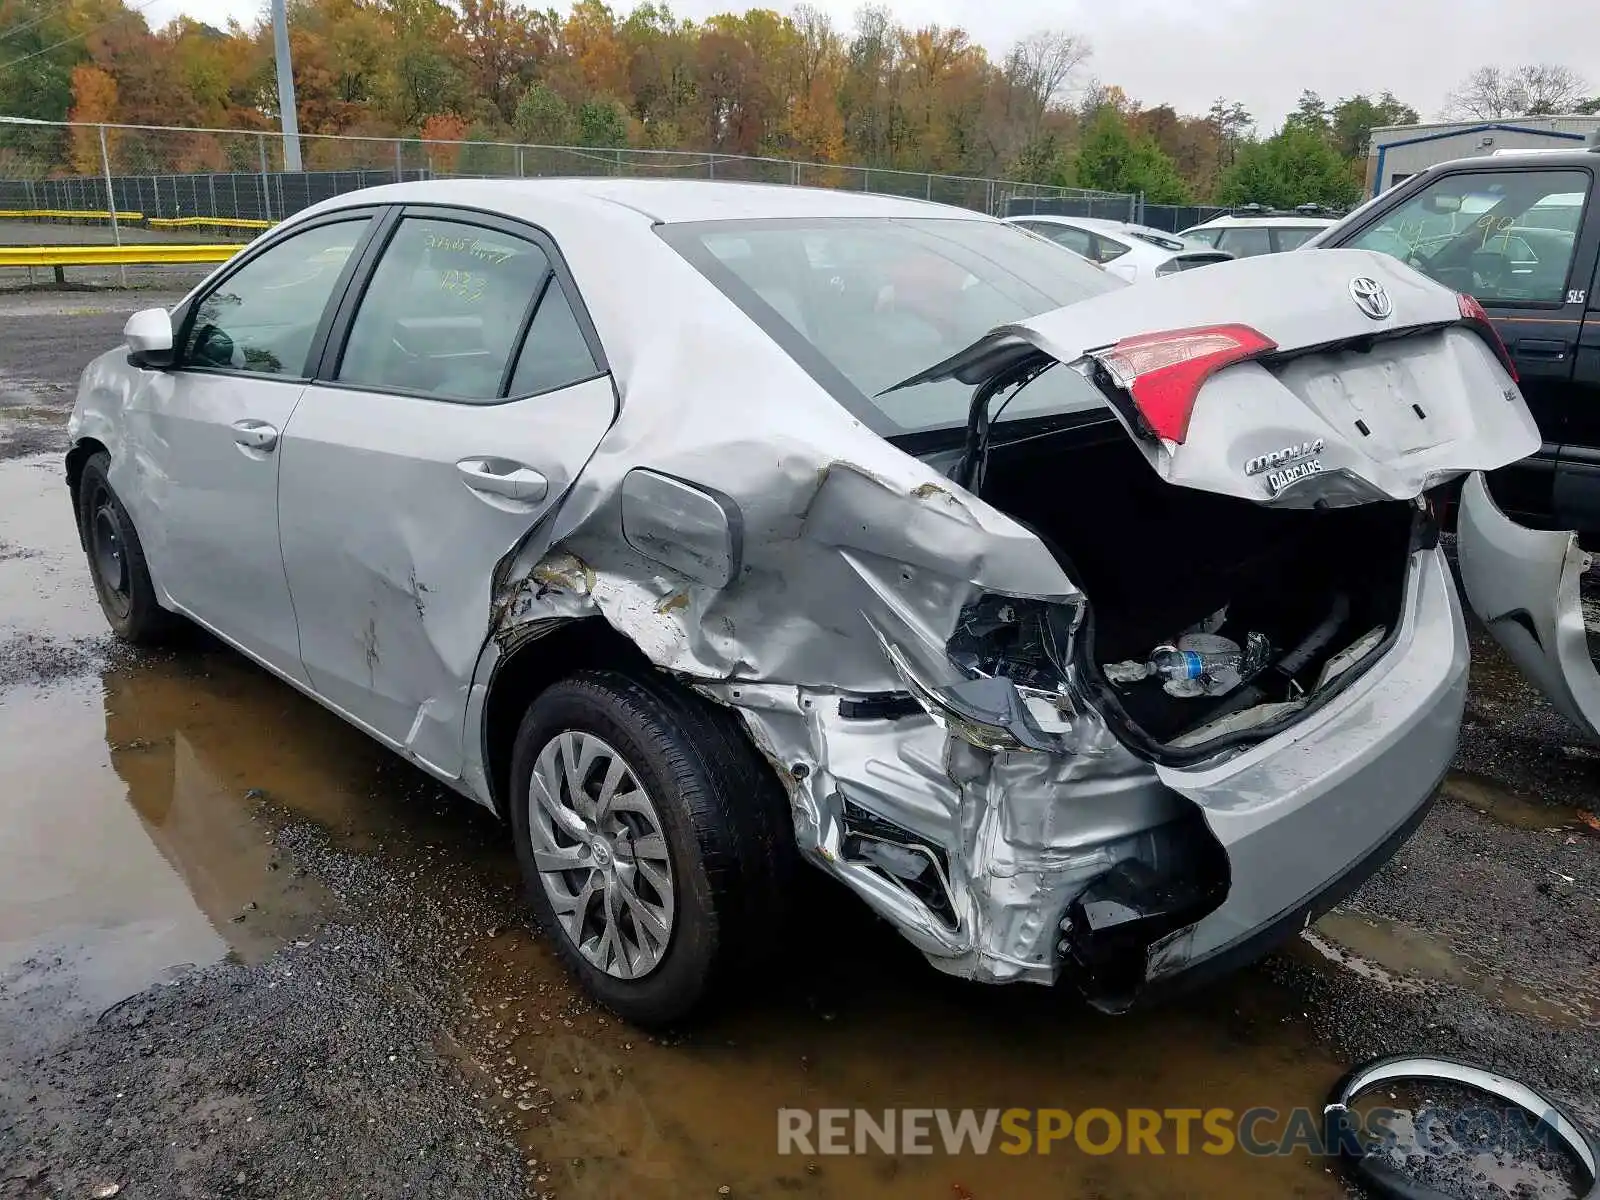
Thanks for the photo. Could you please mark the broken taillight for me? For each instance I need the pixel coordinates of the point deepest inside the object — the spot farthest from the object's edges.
(1163, 372)
(1472, 314)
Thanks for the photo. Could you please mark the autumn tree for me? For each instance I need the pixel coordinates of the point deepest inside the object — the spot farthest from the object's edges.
(94, 100)
(815, 126)
(662, 76)
(442, 134)
(502, 46)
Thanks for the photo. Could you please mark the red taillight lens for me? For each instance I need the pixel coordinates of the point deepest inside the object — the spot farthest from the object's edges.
(1163, 372)
(1472, 314)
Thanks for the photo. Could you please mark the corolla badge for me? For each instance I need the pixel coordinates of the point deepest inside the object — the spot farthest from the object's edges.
(1288, 465)
(1279, 458)
(1370, 297)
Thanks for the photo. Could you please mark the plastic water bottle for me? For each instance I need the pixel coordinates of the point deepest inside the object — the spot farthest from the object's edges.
(1208, 664)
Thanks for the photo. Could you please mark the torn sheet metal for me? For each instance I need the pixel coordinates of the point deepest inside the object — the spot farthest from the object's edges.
(847, 549)
(1526, 587)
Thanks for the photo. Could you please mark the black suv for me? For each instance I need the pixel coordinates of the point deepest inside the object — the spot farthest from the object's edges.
(1521, 232)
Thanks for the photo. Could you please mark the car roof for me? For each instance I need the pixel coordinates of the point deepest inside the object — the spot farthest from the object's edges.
(1545, 157)
(665, 201)
(1283, 222)
(1100, 224)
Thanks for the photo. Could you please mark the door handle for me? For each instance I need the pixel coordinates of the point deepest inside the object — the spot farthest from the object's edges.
(1544, 349)
(502, 477)
(255, 435)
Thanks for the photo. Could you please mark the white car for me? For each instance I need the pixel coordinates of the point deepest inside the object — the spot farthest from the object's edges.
(1246, 237)
(1128, 251)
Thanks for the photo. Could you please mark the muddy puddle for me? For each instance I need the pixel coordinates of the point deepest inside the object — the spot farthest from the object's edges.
(148, 801)
(1507, 807)
(1398, 955)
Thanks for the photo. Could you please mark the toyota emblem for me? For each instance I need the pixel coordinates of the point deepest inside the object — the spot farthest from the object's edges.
(1370, 297)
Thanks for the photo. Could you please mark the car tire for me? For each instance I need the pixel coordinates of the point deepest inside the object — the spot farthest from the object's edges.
(116, 560)
(717, 832)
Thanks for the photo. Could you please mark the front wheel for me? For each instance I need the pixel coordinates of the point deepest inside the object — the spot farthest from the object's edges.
(655, 843)
(116, 560)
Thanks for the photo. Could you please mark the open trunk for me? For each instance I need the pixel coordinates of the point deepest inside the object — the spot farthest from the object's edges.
(1156, 561)
(1272, 428)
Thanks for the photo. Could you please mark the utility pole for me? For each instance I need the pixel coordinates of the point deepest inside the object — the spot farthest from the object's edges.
(286, 111)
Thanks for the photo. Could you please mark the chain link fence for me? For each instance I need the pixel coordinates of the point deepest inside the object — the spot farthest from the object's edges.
(172, 175)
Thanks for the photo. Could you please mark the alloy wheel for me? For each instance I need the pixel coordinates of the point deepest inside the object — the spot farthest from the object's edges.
(601, 854)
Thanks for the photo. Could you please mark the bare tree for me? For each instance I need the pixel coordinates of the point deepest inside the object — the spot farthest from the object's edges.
(1531, 90)
(1040, 64)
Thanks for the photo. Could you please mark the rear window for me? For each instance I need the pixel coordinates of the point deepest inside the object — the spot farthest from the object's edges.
(1246, 241)
(1292, 237)
(862, 304)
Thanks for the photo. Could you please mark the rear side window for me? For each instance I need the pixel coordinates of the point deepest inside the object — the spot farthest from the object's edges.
(444, 310)
(555, 353)
(1246, 241)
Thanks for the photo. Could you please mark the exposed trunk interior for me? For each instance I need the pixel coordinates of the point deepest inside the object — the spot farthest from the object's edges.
(1155, 560)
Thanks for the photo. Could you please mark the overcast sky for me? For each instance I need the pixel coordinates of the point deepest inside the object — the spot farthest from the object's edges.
(1188, 52)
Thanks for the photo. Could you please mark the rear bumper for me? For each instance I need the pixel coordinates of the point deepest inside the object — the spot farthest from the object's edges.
(1227, 959)
(1307, 816)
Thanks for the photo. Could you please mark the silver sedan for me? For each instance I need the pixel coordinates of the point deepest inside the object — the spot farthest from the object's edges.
(702, 531)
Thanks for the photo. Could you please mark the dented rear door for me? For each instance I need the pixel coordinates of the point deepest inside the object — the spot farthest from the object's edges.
(469, 394)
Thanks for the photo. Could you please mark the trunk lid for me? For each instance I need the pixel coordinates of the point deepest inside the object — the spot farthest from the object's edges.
(1375, 386)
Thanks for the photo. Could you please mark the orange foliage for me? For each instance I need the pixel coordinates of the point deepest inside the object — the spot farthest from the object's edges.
(442, 135)
(94, 99)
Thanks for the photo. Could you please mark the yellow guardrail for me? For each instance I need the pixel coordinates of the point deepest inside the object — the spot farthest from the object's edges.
(207, 222)
(95, 256)
(67, 214)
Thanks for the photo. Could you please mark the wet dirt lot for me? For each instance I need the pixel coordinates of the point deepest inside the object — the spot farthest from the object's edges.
(244, 951)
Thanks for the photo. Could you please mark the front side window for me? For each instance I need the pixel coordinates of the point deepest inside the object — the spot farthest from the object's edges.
(865, 303)
(262, 317)
(444, 310)
(1503, 236)
(1246, 241)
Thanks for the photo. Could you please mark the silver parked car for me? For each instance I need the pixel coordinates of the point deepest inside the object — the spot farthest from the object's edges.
(1086, 633)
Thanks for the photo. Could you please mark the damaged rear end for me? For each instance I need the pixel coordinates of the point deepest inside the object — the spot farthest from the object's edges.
(1246, 702)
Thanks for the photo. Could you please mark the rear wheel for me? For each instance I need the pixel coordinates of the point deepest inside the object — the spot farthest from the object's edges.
(116, 560)
(654, 841)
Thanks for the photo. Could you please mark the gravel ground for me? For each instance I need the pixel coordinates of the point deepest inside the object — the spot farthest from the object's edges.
(339, 994)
